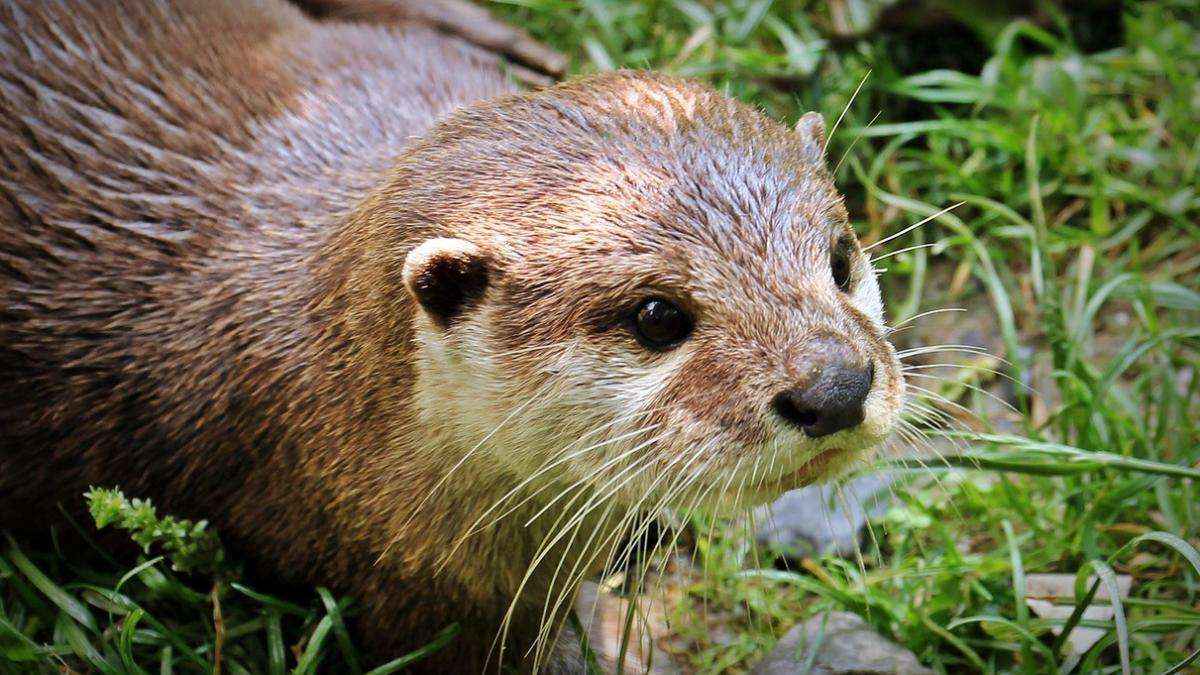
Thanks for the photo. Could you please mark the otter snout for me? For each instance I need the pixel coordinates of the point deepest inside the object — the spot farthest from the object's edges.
(832, 399)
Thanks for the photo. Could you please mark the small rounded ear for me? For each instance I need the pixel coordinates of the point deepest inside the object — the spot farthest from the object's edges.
(811, 130)
(445, 276)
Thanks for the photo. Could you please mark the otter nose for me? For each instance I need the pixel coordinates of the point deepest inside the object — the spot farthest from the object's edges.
(831, 402)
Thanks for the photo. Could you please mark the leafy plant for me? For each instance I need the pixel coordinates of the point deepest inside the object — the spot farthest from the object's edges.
(189, 546)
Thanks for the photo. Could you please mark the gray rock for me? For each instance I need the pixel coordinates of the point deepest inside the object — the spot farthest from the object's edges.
(818, 520)
(838, 643)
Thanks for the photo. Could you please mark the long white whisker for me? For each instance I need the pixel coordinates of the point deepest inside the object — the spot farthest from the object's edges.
(914, 226)
(968, 385)
(475, 526)
(437, 486)
(847, 108)
(853, 143)
(917, 247)
(922, 315)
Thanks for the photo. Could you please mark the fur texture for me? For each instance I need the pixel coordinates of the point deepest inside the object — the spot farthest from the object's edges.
(206, 212)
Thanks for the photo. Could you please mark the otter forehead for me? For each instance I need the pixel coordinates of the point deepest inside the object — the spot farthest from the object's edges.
(681, 184)
(659, 154)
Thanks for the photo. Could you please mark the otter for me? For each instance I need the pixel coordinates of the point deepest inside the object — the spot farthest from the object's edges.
(398, 327)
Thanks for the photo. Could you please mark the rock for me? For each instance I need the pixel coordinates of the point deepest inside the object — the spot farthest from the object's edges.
(817, 520)
(602, 615)
(838, 642)
(1052, 596)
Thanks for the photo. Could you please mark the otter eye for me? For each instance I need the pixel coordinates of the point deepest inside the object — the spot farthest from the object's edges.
(660, 325)
(839, 263)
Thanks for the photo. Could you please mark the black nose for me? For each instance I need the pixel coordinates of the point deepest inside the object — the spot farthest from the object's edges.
(831, 402)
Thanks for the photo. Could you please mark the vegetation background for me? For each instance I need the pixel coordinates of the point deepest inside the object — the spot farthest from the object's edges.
(1069, 139)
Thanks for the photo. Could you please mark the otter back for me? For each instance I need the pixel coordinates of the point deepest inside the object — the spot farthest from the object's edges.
(158, 159)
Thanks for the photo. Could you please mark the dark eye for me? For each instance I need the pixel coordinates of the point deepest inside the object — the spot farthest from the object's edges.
(839, 263)
(661, 325)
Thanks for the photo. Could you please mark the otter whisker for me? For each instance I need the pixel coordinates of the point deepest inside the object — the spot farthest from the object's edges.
(934, 397)
(672, 493)
(551, 606)
(747, 542)
(582, 565)
(632, 510)
(942, 348)
(968, 385)
(549, 539)
(909, 432)
(839, 493)
(853, 143)
(922, 315)
(917, 247)
(702, 451)
(601, 525)
(930, 413)
(699, 497)
(939, 398)
(599, 471)
(932, 474)
(769, 512)
(475, 526)
(437, 486)
(914, 226)
(845, 110)
(924, 440)
(907, 368)
(579, 570)
(712, 522)
(560, 532)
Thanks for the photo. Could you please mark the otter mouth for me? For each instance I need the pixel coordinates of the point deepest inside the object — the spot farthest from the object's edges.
(813, 470)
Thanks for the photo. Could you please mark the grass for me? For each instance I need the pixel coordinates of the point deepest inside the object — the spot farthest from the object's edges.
(1076, 244)
(184, 610)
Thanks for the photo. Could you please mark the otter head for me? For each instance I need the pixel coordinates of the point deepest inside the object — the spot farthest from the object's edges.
(640, 287)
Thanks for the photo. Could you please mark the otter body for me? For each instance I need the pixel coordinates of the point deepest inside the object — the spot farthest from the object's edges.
(290, 277)
(171, 177)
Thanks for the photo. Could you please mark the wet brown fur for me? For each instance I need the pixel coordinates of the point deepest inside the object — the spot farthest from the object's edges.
(205, 209)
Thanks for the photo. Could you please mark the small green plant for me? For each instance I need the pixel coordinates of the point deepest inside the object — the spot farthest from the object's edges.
(189, 546)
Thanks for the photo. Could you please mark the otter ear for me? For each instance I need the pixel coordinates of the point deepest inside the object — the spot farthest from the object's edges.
(811, 130)
(445, 276)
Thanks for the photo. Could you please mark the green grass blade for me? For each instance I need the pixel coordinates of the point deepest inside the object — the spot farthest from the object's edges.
(281, 605)
(15, 645)
(1018, 582)
(339, 630)
(125, 641)
(314, 650)
(82, 646)
(73, 607)
(1109, 578)
(440, 640)
(276, 654)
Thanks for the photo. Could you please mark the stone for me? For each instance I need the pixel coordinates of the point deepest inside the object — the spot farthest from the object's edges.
(1052, 596)
(602, 614)
(838, 642)
(818, 520)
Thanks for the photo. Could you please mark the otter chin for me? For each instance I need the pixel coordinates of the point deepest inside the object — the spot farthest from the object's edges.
(397, 328)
